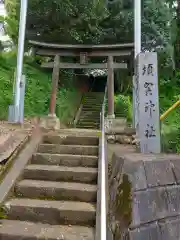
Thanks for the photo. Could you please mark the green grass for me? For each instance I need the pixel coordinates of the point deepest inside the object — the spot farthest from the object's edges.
(123, 106)
(38, 89)
(170, 126)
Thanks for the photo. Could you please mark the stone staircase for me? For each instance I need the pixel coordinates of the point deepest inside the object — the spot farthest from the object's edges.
(55, 197)
(90, 114)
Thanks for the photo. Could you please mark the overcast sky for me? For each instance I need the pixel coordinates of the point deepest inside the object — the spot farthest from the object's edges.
(2, 9)
(3, 37)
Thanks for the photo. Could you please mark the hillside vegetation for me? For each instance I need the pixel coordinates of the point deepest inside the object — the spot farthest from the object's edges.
(38, 88)
(169, 93)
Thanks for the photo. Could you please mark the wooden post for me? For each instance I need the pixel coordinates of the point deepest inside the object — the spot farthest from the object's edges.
(110, 88)
(55, 79)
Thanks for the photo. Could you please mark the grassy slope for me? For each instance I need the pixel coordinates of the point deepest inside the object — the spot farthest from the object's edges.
(170, 126)
(38, 87)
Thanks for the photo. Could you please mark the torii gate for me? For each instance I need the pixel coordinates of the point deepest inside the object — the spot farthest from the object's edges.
(22, 27)
(147, 129)
(118, 56)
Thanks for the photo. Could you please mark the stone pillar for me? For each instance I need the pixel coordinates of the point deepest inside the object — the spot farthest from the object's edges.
(110, 88)
(148, 125)
(55, 79)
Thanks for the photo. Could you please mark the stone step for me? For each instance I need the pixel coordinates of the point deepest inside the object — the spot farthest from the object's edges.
(51, 212)
(94, 97)
(118, 122)
(121, 131)
(68, 149)
(90, 119)
(95, 103)
(21, 230)
(60, 173)
(88, 123)
(95, 93)
(91, 111)
(65, 160)
(56, 190)
(87, 127)
(119, 115)
(92, 106)
(97, 96)
(70, 140)
(89, 116)
(79, 132)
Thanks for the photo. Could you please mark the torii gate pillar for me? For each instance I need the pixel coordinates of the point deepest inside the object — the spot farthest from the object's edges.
(55, 80)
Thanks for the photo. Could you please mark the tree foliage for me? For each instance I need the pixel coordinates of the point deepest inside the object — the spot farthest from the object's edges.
(95, 21)
(70, 21)
(66, 21)
(11, 20)
(100, 21)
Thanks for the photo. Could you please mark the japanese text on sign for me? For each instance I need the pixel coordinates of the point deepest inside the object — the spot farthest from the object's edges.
(148, 108)
(148, 69)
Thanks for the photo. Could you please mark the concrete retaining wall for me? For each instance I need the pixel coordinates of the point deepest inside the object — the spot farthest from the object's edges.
(144, 197)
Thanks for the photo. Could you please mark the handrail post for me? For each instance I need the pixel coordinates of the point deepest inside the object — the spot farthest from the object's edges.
(101, 234)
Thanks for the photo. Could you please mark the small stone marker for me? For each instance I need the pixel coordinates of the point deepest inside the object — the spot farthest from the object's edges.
(147, 103)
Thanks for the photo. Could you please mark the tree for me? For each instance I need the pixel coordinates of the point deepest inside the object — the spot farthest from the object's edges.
(177, 40)
(11, 20)
(66, 21)
(93, 21)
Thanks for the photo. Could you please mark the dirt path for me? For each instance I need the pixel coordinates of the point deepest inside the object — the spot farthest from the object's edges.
(12, 135)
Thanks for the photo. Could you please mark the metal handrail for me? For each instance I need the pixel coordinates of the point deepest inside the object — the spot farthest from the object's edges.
(103, 175)
(169, 110)
(76, 118)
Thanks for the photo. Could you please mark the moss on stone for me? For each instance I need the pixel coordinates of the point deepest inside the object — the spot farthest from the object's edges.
(123, 206)
(2, 213)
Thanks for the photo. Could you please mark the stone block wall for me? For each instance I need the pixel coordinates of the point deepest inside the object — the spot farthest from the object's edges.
(118, 131)
(144, 197)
